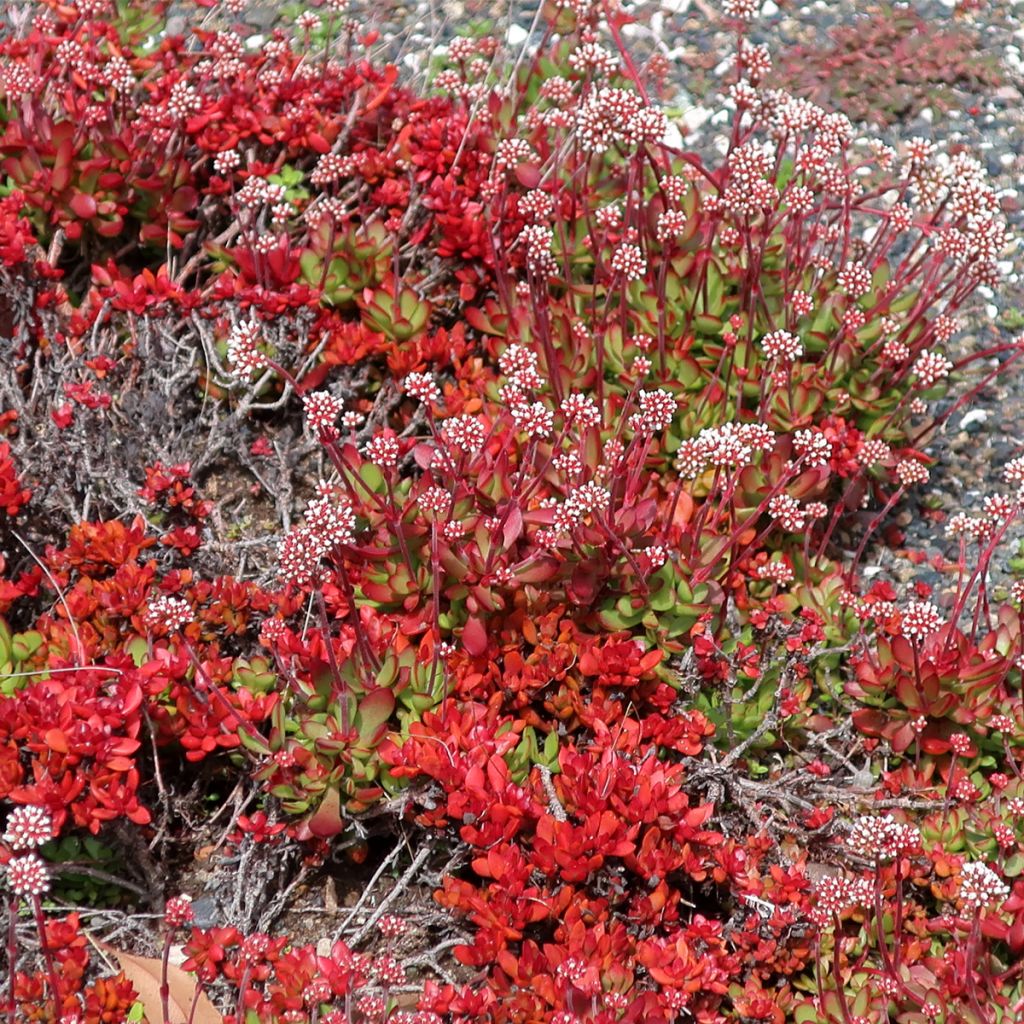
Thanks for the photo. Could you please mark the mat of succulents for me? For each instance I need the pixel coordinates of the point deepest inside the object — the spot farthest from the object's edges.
(510, 515)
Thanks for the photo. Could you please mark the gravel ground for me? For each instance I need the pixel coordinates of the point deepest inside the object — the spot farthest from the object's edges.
(977, 440)
(980, 438)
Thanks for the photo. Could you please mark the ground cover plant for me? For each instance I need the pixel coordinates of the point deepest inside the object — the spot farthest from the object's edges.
(890, 65)
(470, 486)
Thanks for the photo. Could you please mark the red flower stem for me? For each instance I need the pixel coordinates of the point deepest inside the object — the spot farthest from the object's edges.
(837, 969)
(12, 959)
(833, 522)
(350, 478)
(972, 956)
(983, 560)
(915, 653)
(705, 508)
(624, 548)
(165, 985)
(543, 322)
(44, 948)
(435, 607)
(897, 926)
(737, 531)
(362, 640)
(873, 525)
(395, 523)
(328, 636)
(243, 984)
(195, 1003)
(883, 945)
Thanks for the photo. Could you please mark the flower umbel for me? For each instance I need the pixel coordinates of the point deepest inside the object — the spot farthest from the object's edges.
(28, 827)
(169, 613)
(244, 356)
(28, 875)
(981, 887)
(178, 911)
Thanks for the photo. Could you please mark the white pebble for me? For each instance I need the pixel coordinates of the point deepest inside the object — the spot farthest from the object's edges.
(974, 416)
(673, 137)
(695, 118)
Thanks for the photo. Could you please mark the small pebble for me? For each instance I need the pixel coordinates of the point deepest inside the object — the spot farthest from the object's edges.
(974, 416)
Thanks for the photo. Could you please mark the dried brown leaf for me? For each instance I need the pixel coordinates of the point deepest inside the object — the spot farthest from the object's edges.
(145, 974)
